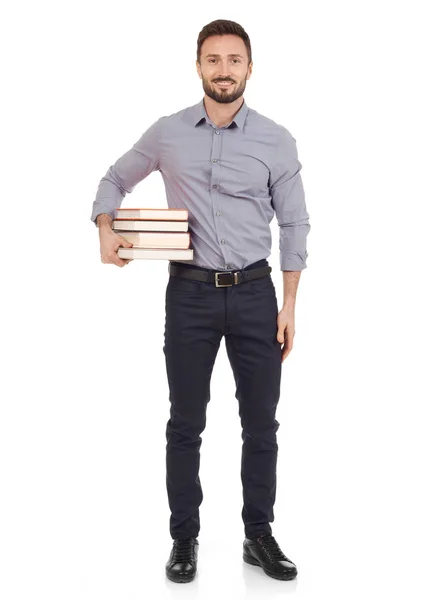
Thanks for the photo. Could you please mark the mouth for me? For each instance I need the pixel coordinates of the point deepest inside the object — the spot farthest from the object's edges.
(224, 84)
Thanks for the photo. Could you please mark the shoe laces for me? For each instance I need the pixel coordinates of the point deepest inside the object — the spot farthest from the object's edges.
(183, 550)
(269, 544)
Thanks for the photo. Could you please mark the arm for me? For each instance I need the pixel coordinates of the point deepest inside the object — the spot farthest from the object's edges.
(131, 168)
(288, 201)
(103, 220)
(290, 284)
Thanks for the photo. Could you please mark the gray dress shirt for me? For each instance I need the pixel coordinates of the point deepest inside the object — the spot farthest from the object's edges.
(231, 180)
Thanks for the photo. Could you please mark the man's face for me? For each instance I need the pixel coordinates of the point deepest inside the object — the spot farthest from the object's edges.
(224, 59)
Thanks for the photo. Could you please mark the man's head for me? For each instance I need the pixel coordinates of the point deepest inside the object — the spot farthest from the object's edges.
(224, 55)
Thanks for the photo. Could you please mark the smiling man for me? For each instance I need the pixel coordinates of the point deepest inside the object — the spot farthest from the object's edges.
(233, 84)
(233, 169)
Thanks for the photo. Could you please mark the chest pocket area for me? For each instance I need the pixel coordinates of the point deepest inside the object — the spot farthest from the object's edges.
(242, 174)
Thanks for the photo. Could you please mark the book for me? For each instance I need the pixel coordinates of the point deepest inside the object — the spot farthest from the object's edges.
(141, 225)
(156, 253)
(155, 233)
(153, 214)
(149, 239)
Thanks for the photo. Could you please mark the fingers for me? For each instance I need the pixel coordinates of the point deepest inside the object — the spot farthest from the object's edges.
(125, 243)
(114, 259)
(286, 351)
(110, 244)
(286, 338)
(121, 262)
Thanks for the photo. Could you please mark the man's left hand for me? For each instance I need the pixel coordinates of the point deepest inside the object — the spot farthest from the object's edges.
(286, 331)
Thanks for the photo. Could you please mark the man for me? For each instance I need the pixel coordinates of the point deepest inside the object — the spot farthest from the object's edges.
(232, 168)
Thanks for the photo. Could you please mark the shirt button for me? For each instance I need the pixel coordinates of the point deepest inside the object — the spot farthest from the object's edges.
(214, 187)
(215, 160)
(217, 214)
(217, 132)
(222, 241)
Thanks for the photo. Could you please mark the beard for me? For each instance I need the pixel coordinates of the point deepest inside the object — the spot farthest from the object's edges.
(225, 95)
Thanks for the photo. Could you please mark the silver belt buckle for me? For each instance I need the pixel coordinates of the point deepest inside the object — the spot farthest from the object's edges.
(219, 273)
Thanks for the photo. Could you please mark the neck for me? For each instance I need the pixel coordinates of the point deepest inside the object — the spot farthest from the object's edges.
(222, 114)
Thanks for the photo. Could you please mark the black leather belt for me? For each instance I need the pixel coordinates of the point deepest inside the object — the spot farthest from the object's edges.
(219, 278)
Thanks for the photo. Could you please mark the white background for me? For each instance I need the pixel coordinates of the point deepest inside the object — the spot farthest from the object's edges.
(84, 511)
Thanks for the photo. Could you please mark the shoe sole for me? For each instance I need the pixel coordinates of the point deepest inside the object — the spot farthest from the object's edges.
(181, 578)
(253, 561)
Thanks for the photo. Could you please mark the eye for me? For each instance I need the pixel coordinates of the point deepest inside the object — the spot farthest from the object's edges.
(234, 60)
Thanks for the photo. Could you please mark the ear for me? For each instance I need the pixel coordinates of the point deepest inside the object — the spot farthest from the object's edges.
(249, 70)
(198, 67)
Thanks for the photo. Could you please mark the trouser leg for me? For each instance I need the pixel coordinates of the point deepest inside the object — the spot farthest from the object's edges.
(192, 338)
(255, 356)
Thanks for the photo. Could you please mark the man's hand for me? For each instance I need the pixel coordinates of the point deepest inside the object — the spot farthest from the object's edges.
(110, 242)
(286, 331)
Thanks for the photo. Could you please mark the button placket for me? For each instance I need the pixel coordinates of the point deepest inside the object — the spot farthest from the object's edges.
(215, 185)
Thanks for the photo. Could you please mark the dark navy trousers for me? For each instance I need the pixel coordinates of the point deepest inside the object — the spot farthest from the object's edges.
(198, 315)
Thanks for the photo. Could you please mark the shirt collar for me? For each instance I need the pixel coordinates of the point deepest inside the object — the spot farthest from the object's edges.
(199, 113)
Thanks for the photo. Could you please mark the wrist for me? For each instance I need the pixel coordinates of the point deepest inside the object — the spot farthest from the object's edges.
(289, 304)
(104, 221)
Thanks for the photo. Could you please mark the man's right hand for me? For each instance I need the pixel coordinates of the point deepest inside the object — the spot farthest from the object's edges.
(110, 242)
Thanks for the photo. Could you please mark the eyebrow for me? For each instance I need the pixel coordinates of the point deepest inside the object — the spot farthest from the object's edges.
(215, 55)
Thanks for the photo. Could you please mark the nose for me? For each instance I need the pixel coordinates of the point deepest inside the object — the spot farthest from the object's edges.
(224, 72)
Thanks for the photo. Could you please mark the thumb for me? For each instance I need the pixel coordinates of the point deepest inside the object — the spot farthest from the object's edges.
(280, 336)
(126, 243)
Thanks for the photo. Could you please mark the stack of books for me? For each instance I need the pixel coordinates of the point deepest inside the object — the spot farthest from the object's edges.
(156, 233)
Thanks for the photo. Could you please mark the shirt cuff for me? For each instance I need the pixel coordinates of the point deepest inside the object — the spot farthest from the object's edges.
(293, 261)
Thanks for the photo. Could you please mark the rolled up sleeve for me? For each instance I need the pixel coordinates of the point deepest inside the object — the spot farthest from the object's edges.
(131, 168)
(288, 200)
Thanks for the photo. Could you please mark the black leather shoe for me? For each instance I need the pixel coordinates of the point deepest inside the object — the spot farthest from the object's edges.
(264, 552)
(182, 564)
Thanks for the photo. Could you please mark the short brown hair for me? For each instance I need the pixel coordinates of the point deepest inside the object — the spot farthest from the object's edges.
(222, 27)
